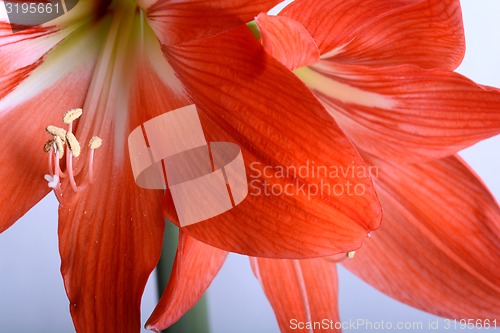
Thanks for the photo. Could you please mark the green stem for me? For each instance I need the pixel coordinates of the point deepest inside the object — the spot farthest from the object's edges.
(196, 319)
(254, 28)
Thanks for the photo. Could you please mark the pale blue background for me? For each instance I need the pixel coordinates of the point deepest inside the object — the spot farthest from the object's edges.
(32, 297)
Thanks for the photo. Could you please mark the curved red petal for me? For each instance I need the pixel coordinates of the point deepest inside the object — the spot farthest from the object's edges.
(439, 238)
(196, 264)
(175, 22)
(246, 97)
(28, 105)
(288, 41)
(108, 248)
(301, 292)
(413, 114)
(111, 233)
(428, 34)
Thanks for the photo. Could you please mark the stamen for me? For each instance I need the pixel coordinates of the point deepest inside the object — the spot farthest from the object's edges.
(59, 146)
(73, 144)
(57, 168)
(51, 154)
(49, 145)
(72, 115)
(69, 164)
(351, 254)
(56, 146)
(56, 131)
(74, 149)
(95, 142)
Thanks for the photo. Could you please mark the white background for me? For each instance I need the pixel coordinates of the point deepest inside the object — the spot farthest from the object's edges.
(32, 297)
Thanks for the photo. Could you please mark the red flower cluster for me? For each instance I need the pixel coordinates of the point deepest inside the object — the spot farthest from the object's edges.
(339, 83)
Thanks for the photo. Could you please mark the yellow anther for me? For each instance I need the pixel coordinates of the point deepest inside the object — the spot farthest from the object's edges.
(49, 145)
(351, 254)
(59, 146)
(73, 144)
(72, 115)
(57, 131)
(95, 142)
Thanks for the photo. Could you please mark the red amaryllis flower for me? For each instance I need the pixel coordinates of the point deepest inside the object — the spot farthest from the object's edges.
(124, 63)
(384, 71)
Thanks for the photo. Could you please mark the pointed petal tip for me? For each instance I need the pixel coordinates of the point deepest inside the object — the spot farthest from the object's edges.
(152, 327)
(195, 266)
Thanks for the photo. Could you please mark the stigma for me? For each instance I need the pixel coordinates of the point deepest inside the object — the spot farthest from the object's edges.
(64, 143)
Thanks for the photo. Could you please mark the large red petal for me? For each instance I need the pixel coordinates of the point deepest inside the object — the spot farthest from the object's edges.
(246, 97)
(110, 241)
(195, 266)
(413, 114)
(175, 22)
(382, 33)
(35, 90)
(300, 292)
(439, 241)
(111, 233)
